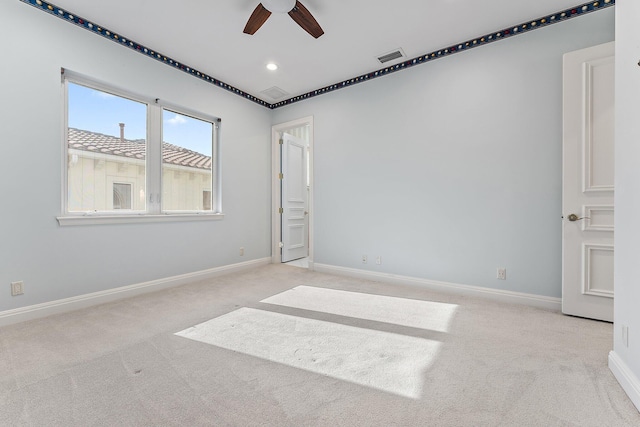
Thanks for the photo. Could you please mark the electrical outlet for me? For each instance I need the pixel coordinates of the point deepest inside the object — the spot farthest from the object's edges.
(364, 259)
(17, 288)
(625, 335)
(378, 260)
(241, 251)
(502, 273)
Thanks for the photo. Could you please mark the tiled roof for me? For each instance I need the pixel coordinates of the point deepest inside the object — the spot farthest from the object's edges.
(99, 143)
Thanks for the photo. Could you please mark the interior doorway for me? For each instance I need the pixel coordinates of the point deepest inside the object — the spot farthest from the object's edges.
(292, 192)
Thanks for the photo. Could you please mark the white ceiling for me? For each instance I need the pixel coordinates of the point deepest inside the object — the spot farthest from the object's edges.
(207, 35)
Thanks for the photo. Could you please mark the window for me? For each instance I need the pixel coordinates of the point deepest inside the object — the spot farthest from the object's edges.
(101, 150)
(130, 157)
(186, 166)
(121, 196)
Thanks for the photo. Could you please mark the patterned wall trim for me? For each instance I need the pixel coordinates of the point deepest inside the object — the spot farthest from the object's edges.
(511, 31)
(459, 47)
(147, 51)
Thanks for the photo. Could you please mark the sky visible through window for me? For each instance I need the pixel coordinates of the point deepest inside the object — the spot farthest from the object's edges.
(100, 112)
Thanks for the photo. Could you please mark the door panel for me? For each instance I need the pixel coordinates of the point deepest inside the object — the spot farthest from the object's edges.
(588, 183)
(598, 270)
(598, 113)
(294, 198)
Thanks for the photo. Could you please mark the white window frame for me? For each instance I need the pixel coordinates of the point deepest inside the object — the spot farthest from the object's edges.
(153, 212)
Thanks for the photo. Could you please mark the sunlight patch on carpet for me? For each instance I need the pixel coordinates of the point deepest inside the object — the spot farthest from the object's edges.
(435, 316)
(380, 360)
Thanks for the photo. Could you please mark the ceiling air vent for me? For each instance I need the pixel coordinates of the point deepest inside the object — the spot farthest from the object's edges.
(396, 54)
(275, 92)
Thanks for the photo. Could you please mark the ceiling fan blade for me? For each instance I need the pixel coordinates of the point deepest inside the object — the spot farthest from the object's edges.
(303, 17)
(257, 18)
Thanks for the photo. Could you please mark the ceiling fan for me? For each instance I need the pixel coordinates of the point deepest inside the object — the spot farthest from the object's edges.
(294, 8)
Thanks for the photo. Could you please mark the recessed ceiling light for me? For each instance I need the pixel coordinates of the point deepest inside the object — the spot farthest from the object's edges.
(271, 66)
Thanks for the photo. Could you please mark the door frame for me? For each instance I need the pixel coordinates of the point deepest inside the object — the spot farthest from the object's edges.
(276, 228)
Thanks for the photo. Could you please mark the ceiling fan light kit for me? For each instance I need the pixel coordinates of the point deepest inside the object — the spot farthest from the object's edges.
(294, 8)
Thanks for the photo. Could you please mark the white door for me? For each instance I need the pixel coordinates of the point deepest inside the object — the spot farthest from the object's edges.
(294, 198)
(588, 183)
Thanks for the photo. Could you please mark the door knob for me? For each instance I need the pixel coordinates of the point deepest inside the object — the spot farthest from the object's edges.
(574, 217)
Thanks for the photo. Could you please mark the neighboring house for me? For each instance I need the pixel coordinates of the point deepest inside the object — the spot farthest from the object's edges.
(108, 173)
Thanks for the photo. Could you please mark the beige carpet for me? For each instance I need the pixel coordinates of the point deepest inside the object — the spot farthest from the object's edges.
(282, 346)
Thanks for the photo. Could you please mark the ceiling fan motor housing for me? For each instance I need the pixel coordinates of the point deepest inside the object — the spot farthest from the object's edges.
(294, 8)
(279, 6)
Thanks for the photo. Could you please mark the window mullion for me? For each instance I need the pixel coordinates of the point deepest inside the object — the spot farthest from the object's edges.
(154, 159)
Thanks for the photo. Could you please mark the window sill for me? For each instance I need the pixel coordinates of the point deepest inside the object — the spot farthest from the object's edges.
(98, 219)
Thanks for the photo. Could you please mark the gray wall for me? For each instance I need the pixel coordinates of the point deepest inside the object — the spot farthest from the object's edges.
(453, 168)
(59, 262)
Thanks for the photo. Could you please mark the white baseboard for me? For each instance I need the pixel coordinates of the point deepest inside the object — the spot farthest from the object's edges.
(493, 294)
(629, 382)
(87, 300)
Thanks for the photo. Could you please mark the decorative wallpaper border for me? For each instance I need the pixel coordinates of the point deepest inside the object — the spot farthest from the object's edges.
(144, 50)
(511, 31)
(459, 47)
